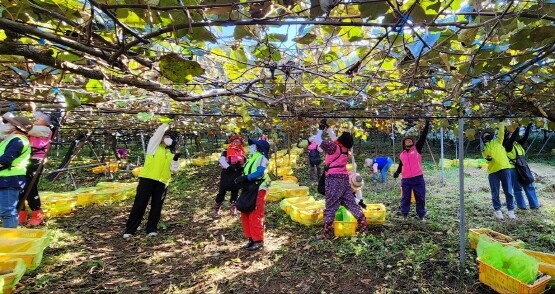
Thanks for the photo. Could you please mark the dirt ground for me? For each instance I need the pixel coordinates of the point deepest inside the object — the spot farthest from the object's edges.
(195, 253)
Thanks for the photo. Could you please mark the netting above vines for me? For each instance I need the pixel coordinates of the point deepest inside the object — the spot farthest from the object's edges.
(280, 59)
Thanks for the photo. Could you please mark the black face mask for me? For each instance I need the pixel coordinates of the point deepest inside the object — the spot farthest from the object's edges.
(407, 147)
(486, 138)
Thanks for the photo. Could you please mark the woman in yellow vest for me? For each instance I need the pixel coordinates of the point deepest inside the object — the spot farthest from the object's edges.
(498, 171)
(254, 174)
(14, 158)
(514, 148)
(154, 178)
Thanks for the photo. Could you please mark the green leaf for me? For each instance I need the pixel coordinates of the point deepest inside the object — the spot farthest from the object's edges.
(541, 33)
(145, 116)
(241, 32)
(274, 37)
(521, 40)
(354, 34)
(95, 86)
(331, 56)
(240, 57)
(373, 10)
(179, 70)
(306, 39)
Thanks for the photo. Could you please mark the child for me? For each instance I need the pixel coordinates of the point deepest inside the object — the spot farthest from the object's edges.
(231, 161)
(357, 183)
(39, 140)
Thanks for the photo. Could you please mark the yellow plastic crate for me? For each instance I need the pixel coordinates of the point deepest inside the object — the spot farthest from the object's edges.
(311, 217)
(547, 263)
(286, 203)
(503, 283)
(11, 272)
(375, 213)
(85, 198)
(59, 207)
(28, 249)
(284, 171)
(273, 195)
(200, 161)
(290, 178)
(6, 233)
(295, 192)
(344, 229)
(295, 209)
(505, 240)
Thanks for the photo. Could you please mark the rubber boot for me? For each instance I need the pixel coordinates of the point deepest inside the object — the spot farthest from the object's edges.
(22, 218)
(233, 209)
(318, 172)
(217, 208)
(37, 216)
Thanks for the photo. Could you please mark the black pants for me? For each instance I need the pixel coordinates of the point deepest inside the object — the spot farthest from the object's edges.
(227, 183)
(154, 191)
(33, 198)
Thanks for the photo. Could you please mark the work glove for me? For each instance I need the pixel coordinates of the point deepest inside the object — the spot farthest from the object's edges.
(176, 156)
(395, 175)
(488, 158)
(241, 179)
(323, 124)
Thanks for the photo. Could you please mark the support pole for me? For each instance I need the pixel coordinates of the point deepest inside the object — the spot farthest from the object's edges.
(544, 144)
(441, 161)
(461, 197)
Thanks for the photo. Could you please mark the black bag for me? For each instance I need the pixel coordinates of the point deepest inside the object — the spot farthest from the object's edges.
(523, 171)
(314, 157)
(322, 181)
(246, 202)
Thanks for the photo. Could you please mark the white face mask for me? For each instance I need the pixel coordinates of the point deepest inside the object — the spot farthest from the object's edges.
(252, 149)
(168, 141)
(6, 128)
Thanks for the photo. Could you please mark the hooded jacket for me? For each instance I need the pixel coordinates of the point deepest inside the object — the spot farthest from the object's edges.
(496, 151)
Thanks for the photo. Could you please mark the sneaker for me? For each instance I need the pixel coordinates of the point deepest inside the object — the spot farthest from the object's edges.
(511, 214)
(217, 207)
(499, 214)
(126, 236)
(255, 246)
(152, 234)
(405, 218)
(233, 209)
(422, 219)
(22, 217)
(248, 244)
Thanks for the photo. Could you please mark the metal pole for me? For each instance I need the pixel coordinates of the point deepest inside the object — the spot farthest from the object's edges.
(441, 161)
(461, 197)
(143, 143)
(545, 143)
(393, 141)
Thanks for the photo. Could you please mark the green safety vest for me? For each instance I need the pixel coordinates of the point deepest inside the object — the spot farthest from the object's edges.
(251, 166)
(20, 163)
(512, 155)
(157, 166)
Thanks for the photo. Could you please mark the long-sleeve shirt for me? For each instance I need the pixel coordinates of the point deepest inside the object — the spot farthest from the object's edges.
(496, 151)
(419, 145)
(508, 144)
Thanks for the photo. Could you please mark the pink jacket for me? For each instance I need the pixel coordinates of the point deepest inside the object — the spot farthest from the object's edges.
(412, 163)
(39, 138)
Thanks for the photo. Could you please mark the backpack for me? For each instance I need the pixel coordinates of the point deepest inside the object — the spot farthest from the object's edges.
(314, 157)
(523, 172)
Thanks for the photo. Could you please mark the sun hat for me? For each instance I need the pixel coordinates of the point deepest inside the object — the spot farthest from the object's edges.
(356, 181)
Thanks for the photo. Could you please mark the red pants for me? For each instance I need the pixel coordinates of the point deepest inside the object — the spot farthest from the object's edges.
(253, 222)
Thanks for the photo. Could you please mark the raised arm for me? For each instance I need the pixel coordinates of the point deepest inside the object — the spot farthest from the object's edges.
(423, 137)
(501, 134)
(156, 138)
(524, 138)
(508, 144)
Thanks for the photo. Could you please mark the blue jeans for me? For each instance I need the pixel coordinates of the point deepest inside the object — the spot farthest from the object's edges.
(503, 176)
(529, 190)
(8, 207)
(384, 171)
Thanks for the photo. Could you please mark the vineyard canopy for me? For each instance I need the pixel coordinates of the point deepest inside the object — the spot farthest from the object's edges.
(288, 58)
